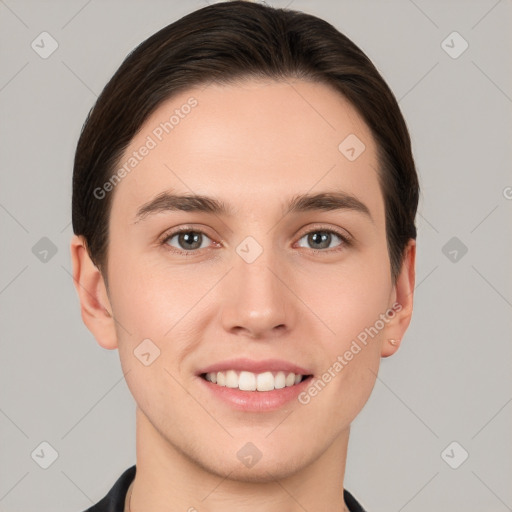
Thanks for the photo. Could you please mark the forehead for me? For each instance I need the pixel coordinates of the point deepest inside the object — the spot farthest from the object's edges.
(249, 144)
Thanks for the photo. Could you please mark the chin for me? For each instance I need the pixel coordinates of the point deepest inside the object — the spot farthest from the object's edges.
(262, 472)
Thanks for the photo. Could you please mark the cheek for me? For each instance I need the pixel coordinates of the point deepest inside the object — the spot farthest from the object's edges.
(140, 300)
(153, 300)
(352, 299)
(352, 305)
(349, 305)
(152, 305)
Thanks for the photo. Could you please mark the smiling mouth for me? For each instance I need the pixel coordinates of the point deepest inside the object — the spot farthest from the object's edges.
(249, 381)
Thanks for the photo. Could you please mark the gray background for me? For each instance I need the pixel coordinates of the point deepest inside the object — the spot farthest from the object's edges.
(450, 380)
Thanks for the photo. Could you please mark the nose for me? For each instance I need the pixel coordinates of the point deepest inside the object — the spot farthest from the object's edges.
(258, 302)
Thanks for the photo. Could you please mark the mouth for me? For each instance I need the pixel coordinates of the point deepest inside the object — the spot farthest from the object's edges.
(259, 382)
(250, 385)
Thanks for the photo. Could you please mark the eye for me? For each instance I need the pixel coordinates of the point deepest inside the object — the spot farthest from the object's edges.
(324, 239)
(187, 240)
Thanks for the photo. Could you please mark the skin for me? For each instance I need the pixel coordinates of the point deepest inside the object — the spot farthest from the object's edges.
(253, 145)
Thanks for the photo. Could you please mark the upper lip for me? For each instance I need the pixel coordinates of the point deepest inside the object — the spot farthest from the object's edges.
(250, 365)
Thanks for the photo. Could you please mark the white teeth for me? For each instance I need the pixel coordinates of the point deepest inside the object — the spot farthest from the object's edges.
(279, 380)
(231, 379)
(248, 381)
(265, 381)
(221, 378)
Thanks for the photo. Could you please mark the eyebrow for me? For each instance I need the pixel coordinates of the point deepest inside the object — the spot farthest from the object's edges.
(323, 201)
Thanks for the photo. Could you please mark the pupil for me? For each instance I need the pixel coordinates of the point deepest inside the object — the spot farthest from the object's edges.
(190, 237)
(320, 237)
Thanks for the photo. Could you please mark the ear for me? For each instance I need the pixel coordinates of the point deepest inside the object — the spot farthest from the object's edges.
(92, 292)
(403, 295)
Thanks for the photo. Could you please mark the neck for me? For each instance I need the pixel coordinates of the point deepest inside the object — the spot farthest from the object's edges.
(167, 477)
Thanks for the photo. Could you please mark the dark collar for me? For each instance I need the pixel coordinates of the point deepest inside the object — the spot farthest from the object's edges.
(114, 500)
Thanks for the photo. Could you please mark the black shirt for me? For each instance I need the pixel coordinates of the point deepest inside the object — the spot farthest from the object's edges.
(114, 500)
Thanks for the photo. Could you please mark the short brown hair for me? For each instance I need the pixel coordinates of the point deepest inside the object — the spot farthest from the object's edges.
(222, 43)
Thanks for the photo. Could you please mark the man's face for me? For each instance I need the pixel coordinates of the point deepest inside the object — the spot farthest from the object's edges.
(254, 282)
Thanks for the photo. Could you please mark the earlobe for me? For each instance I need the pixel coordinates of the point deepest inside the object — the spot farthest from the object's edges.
(94, 302)
(404, 295)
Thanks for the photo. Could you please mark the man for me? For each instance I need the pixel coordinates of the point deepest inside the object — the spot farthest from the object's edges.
(244, 236)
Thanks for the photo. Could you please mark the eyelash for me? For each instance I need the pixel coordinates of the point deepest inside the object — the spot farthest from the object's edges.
(346, 241)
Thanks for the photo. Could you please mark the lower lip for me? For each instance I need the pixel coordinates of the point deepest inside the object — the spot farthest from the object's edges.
(256, 401)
